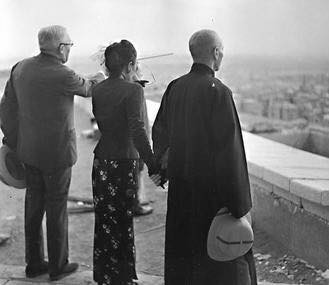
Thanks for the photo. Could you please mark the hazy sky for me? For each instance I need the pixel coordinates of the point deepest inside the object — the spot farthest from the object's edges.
(246, 26)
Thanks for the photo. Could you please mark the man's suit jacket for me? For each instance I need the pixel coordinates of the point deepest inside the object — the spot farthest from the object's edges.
(37, 115)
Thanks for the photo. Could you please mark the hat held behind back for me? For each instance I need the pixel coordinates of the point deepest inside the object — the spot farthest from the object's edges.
(228, 237)
(12, 171)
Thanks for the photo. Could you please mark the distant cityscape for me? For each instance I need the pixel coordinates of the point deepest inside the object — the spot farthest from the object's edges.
(299, 99)
(270, 94)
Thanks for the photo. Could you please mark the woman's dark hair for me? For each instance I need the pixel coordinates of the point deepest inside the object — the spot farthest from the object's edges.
(118, 55)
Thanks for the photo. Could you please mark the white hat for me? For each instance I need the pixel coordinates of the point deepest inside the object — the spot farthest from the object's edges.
(228, 237)
(12, 171)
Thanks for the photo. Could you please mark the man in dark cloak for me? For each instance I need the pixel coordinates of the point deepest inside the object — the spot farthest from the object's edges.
(197, 126)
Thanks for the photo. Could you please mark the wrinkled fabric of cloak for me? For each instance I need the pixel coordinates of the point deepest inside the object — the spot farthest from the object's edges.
(207, 170)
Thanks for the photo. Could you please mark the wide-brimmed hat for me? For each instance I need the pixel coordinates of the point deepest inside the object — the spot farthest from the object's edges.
(228, 237)
(12, 171)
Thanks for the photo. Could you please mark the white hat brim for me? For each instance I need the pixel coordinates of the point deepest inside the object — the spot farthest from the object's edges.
(5, 175)
(213, 248)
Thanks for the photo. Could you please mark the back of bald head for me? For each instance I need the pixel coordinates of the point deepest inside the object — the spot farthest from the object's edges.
(202, 44)
(50, 37)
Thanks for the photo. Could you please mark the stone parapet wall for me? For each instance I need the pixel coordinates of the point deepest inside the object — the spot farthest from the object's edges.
(290, 192)
(300, 225)
(297, 172)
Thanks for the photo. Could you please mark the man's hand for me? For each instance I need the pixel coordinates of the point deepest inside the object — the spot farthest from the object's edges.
(97, 77)
(156, 178)
(223, 210)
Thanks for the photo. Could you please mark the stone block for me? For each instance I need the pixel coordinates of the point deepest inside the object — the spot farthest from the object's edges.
(281, 175)
(259, 184)
(255, 169)
(319, 187)
(316, 209)
(275, 177)
(309, 172)
(312, 190)
(287, 195)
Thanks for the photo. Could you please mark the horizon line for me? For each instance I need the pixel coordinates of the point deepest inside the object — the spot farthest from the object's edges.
(7, 63)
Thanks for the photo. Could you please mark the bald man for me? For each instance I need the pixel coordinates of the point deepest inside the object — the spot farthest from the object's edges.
(37, 120)
(198, 129)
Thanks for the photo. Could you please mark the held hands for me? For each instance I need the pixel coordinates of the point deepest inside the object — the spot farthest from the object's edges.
(160, 178)
(156, 178)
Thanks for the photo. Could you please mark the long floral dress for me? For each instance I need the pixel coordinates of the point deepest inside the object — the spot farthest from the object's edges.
(114, 188)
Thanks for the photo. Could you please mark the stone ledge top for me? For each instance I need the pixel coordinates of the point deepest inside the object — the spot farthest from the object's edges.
(304, 174)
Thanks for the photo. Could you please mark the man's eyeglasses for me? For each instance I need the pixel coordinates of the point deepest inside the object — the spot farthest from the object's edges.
(65, 44)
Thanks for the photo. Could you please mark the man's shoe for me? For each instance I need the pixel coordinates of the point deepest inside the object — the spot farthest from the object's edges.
(68, 269)
(32, 271)
(142, 210)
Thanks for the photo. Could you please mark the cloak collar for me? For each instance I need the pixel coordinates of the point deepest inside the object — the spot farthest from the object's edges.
(202, 69)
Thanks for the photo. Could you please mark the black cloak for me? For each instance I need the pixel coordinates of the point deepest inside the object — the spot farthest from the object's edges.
(207, 170)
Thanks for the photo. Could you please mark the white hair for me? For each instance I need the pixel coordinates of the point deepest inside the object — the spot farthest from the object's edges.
(202, 42)
(50, 37)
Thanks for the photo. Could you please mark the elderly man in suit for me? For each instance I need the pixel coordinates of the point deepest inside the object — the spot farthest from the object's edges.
(198, 128)
(37, 119)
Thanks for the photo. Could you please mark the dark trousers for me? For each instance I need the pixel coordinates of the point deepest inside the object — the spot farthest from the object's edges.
(47, 193)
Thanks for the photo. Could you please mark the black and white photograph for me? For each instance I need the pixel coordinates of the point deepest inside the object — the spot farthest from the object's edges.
(167, 142)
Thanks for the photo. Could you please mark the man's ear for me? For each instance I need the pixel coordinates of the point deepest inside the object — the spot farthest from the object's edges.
(61, 49)
(216, 53)
(220, 52)
(129, 67)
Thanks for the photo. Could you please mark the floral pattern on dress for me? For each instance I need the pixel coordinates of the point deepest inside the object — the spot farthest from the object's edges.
(114, 188)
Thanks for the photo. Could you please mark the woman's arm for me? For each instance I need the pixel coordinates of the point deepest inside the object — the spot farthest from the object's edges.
(134, 108)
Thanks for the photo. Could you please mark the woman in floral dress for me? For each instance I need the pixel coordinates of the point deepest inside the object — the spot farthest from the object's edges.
(117, 107)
